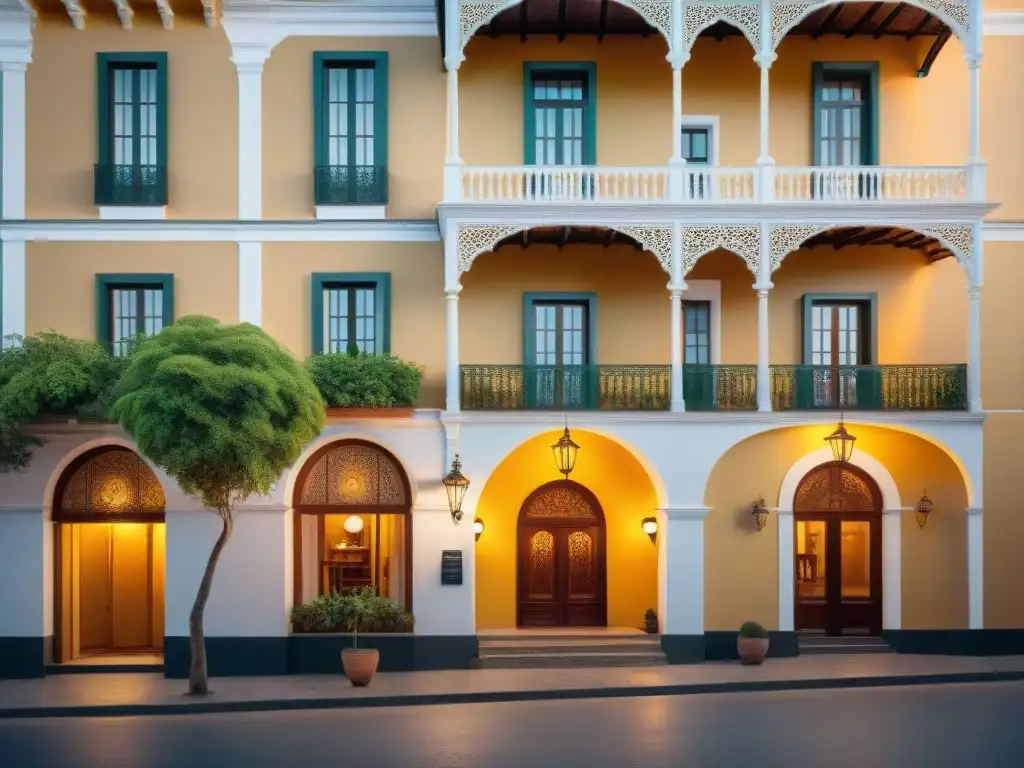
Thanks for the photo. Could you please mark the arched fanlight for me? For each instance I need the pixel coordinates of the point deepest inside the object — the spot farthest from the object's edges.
(841, 443)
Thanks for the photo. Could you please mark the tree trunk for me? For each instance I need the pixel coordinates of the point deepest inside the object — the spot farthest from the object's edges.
(197, 681)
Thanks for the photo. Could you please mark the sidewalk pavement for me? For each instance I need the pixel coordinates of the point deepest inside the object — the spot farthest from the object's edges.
(120, 695)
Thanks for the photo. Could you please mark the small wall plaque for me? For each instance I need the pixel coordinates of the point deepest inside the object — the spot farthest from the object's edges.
(451, 567)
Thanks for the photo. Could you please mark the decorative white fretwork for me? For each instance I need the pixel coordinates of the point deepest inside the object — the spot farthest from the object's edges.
(787, 14)
(474, 241)
(657, 13)
(657, 240)
(746, 18)
(958, 238)
(745, 242)
(784, 240)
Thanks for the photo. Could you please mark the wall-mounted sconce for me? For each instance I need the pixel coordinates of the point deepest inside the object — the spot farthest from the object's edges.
(760, 513)
(478, 528)
(650, 526)
(924, 508)
(456, 483)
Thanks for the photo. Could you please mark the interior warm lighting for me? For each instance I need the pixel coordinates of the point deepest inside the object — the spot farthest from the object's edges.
(924, 508)
(478, 528)
(565, 451)
(455, 483)
(650, 526)
(760, 513)
(841, 443)
(115, 494)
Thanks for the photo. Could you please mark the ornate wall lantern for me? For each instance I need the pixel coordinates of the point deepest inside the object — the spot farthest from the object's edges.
(478, 528)
(841, 443)
(760, 513)
(650, 526)
(565, 451)
(924, 508)
(455, 483)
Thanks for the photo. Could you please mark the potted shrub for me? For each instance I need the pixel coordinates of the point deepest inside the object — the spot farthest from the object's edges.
(752, 644)
(651, 622)
(359, 384)
(360, 664)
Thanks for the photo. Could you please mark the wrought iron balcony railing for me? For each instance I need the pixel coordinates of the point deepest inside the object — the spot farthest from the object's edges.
(130, 184)
(869, 387)
(569, 387)
(350, 185)
(720, 387)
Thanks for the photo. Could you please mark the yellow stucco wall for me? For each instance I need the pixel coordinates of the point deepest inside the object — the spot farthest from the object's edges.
(202, 107)
(417, 298)
(741, 568)
(633, 310)
(61, 280)
(1002, 354)
(416, 124)
(1003, 521)
(626, 495)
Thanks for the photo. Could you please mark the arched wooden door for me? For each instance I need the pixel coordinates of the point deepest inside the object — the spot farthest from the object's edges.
(838, 551)
(561, 557)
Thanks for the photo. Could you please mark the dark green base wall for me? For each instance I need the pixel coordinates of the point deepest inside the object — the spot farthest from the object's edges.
(957, 642)
(22, 657)
(318, 654)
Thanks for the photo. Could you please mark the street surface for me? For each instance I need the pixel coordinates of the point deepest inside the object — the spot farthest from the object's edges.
(961, 726)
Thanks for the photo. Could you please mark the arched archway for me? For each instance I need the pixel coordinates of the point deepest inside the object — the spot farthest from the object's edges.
(109, 552)
(838, 551)
(561, 558)
(352, 525)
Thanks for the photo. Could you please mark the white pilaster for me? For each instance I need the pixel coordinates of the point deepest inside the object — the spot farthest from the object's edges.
(892, 569)
(442, 609)
(764, 58)
(452, 403)
(453, 59)
(762, 286)
(975, 570)
(15, 56)
(681, 570)
(249, 60)
(787, 565)
(676, 287)
(973, 55)
(677, 186)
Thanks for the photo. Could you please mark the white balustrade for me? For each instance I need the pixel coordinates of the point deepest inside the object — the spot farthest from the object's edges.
(712, 184)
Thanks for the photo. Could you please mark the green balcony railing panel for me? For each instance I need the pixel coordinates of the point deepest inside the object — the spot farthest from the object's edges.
(130, 184)
(869, 387)
(720, 387)
(350, 184)
(568, 387)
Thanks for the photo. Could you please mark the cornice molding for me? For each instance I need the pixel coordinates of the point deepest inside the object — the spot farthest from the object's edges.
(1002, 23)
(584, 419)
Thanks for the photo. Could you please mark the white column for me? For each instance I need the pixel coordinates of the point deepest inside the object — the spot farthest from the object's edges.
(453, 59)
(764, 58)
(677, 403)
(973, 55)
(787, 574)
(14, 60)
(452, 350)
(677, 186)
(892, 569)
(681, 570)
(975, 570)
(762, 286)
(249, 61)
(974, 348)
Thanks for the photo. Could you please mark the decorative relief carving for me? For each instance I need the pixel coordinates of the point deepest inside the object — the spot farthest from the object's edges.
(956, 14)
(352, 474)
(476, 240)
(785, 240)
(657, 240)
(115, 481)
(785, 16)
(746, 18)
(657, 13)
(560, 501)
(745, 242)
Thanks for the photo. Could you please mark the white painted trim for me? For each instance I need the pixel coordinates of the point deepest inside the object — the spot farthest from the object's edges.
(710, 291)
(351, 212)
(15, 54)
(250, 283)
(769, 418)
(975, 569)
(132, 212)
(711, 122)
(696, 512)
(1002, 23)
(1002, 231)
(892, 569)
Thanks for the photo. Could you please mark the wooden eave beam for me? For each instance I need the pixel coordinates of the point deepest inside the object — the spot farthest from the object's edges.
(920, 27)
(566, 234)
(870, 237)
(888, 20)
(563, 19)
(864, 20)
(124, 13)
(933, 52)
(75, 12)
(523, 20)
(826, 26)
(609, 238)
(602, 21)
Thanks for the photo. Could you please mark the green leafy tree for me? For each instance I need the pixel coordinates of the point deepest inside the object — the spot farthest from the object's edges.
(224, 410)
(48, 374)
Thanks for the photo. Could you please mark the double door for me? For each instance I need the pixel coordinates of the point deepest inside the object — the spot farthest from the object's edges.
(561, 576)
(838, 571)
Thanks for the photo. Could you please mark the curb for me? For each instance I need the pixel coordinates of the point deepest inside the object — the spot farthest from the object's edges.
(491, 697)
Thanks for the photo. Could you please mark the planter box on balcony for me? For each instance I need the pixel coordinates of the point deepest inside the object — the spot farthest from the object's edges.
(397, 412)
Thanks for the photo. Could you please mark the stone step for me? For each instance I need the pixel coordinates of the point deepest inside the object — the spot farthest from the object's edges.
(808, 650)
(506, 649)
(652, 641)
(564, 660)
(817, 644)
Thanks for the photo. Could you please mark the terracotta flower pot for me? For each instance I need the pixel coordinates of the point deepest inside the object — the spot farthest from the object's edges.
(752, 650)
(360, 665)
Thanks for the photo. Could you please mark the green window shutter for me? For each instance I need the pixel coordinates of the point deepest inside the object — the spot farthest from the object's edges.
(587, 70)
(869, 388)
(699, 382)
(378, 282)
(107, 283)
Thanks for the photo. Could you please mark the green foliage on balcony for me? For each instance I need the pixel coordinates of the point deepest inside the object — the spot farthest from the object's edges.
(359, 380)
(130, 184)
(869, 387)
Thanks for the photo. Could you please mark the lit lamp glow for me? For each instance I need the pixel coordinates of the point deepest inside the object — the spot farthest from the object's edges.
(115, 494)
(924, 508)
(478, 528)
(650, 526)
(455, 484)
(565, 451)
(353, 527)
(841, 443)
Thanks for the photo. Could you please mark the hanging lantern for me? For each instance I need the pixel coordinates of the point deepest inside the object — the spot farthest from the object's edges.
(841, 442)
(455, 483)
(924, 508)
(760, 513)
(565, 451)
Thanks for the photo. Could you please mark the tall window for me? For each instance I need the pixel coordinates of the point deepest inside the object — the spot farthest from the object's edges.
(559, 113)
(842, 121)
(558, 349)
(697, 332)
(351, 127)
(350, 318)
(839, 342)
(132, 130)
(132, 306)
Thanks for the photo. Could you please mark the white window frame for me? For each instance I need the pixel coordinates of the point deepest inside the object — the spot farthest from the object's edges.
(711, 292)
(709, 122)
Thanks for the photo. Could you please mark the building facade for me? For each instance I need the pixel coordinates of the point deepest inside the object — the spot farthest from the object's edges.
(696, 235)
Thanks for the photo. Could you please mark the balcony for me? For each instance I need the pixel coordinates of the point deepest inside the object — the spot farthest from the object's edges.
(138, 185)
(712, 184)
(713, 387)
(350, 185)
